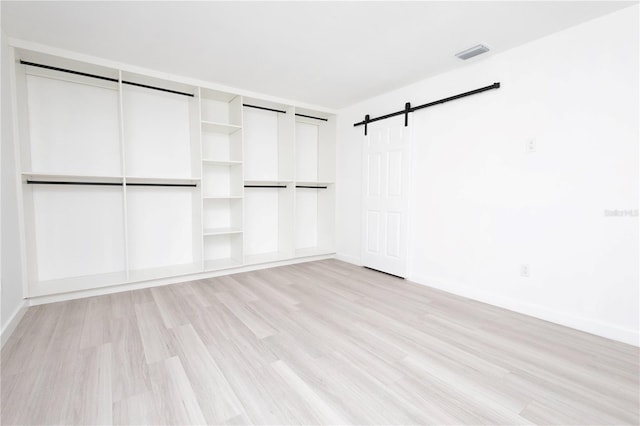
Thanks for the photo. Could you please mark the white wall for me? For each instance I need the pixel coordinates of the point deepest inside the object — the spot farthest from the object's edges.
(11, 279)
(483, 206)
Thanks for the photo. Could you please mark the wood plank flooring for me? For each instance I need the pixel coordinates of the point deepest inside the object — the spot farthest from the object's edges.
(316, 343)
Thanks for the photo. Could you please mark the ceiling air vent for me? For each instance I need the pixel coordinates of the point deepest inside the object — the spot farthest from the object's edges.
(472, 51)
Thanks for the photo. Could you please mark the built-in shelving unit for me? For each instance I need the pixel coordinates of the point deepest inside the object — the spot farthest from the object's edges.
(268, 180)
(315, 188)
(128, 177)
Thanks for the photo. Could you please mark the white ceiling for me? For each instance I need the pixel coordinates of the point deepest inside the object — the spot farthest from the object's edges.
(330, 54)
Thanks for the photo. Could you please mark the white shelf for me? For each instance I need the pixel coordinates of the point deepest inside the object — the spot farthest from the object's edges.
(313, 251)
(217, 264)
(265, 258)
(63, 285)
(221, 231)
(221, 162)
(70, 178)
(267, 182)
(161, 180)
(221, 197)
(165, 271)
(210, 126)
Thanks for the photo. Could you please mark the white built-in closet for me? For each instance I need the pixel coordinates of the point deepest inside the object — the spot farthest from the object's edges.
(123, 183)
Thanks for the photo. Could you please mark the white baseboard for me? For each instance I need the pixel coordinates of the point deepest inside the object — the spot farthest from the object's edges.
(588, 325)
(13, 322)
(40, 300)
(349, 259)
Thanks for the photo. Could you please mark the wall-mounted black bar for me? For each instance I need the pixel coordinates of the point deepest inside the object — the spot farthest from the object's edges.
(58, 182)
(33, 64)
(192, 185)
(48, 67)
(407, 110)
(265, 108)
(311, 187)
(265, 186)
(130, 83)
(311, 116)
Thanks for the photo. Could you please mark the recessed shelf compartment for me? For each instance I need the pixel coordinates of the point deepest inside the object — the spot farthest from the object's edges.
(218, 146)
(161, 130)
(164, 228)
(221, 109)
(73, 232)
(222, 251)
(268, 220)
(222, 214)
(314, 185)
(71, 122)
(268, 141)
(222, 180)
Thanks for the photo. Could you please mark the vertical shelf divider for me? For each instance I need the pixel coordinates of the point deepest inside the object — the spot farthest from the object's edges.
(202, 201)
(123, 170)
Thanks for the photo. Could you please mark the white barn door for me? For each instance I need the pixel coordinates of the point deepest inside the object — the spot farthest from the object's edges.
(386, 173)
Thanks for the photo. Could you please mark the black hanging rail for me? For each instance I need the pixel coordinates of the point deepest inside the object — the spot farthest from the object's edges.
(60, 182)
(311, 187)
(100, 77)
(311, 116)
(265, 186)
(281, 111)
(408, 108)
(190, 185)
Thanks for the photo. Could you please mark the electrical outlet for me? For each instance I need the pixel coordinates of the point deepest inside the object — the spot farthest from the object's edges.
(531, 145)
(525, 271)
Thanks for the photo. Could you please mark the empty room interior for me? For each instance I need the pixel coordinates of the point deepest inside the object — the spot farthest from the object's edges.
(318, 212)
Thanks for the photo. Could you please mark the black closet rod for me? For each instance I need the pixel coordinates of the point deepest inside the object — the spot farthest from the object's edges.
(185, 185)
(281, 111)
(100, 77)
(408, 108)
(311, 116)
(265, 108)
(311, 187)
(265, 186)
(59, 182)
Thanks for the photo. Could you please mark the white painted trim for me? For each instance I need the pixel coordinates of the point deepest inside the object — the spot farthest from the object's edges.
(17, 158)
(54, 51)
(40, 300)
(13, 322)
(355, 260)
(588, 325)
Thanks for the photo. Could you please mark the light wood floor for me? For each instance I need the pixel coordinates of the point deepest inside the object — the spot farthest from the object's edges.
(321, 342)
